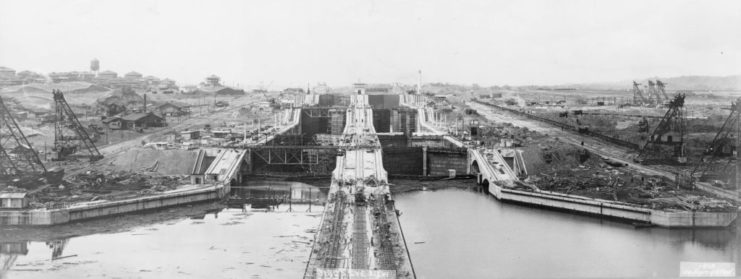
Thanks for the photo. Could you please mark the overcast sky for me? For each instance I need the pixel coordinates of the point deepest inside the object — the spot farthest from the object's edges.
(342, 41)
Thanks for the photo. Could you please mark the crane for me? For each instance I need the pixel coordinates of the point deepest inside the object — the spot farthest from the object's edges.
(660, 85)
(638, 97)
(668, 133)
(724, 144)
(69, 134)
(17, 156)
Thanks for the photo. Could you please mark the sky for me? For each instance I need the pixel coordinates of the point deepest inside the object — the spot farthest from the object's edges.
(279, 43)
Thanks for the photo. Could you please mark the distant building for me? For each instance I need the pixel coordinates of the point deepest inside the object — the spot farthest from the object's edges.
(191, 135)
(133, 76)
(57, 77)
(169, 109)
(6, 73)
(213, 80)
(293, 90)
(152, 80)
(27, 77)
(135, 121)
(359, 88)
(107, 75)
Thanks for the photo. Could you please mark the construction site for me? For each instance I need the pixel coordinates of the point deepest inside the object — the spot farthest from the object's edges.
(648, 162)
(658, 149)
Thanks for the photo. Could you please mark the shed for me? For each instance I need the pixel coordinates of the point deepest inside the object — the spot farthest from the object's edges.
(13, 200)
(170, 109)
(191, 135)
(141, 120)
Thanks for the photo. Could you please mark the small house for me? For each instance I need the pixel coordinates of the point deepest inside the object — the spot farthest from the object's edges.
(170, 109)
(15, 200)
(221, 133)
(190, 135)
(135, 121)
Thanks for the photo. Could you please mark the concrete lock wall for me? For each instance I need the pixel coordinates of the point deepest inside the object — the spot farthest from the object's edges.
(438, 163)
(403, 161)
(40, 217)
(692, 218)
(577, 205)
(314, 125)
(33, 217)
(671, 219)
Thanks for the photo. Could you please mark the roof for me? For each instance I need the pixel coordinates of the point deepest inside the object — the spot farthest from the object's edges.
(189, 132)
(138, 116)
(168, 104)
(12, 195)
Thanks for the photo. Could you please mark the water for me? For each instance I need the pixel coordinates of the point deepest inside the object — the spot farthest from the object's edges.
(471, 235)
(200, 241)
(465, 235)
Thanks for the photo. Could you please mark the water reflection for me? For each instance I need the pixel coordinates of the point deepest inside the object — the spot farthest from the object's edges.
(175, 242)
(272, 194)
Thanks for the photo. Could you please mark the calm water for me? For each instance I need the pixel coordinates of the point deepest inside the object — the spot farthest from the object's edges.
(462, 234)
(201, 241)
(459, 234)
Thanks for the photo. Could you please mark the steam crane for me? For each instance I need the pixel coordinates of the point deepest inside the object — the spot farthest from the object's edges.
(718, 158)
(638, 97)
(668, 134)
(653, 93)
(69, 135)
(17, 156)
(660, 85)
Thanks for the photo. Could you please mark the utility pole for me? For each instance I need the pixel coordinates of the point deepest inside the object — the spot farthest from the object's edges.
(738, 145)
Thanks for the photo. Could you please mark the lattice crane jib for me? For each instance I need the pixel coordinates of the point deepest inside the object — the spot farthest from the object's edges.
(70, 136)
(638, 97)
(723, 147)
(668, 136)
(661, 87)
(17, 154)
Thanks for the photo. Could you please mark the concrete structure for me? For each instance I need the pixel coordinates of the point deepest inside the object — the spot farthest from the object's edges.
(498, 179)
(360, 232)
(102, 208)
(16, 200)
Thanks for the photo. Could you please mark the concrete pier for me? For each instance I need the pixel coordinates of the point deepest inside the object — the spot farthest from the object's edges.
(359, 235)
(90, 210)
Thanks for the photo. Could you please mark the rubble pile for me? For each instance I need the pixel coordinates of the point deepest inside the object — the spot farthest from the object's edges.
(575, 171)
(94, 185)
